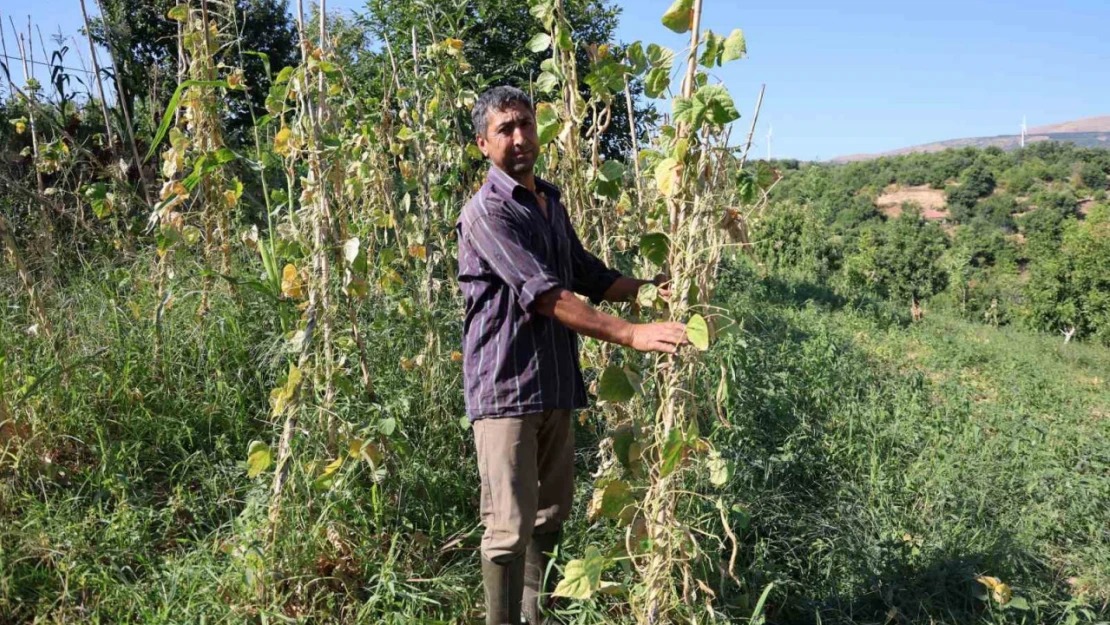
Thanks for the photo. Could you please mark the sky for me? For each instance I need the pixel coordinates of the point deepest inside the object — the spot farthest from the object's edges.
(854, 76)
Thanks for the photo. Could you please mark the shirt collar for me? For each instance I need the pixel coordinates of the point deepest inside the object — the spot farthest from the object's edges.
(498, 177)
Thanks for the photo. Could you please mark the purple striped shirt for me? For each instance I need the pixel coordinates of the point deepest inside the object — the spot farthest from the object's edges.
(517, 361)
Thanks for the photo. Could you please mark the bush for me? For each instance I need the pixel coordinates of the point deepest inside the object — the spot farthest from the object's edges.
(978, 180)
(1069, 291)
(1091, 176)
(961, 203)
(998, 210)
(791, 238)
(900, 260)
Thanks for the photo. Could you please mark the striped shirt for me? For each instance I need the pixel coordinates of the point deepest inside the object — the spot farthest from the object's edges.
(517, 361)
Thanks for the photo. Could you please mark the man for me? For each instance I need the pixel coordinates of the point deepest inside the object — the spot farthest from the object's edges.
(520, 263)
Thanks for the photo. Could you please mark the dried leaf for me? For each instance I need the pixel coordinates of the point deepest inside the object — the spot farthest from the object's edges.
(291, 284)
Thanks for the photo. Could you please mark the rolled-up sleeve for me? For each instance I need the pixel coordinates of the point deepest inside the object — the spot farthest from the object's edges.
(591, 277)
(502, 243)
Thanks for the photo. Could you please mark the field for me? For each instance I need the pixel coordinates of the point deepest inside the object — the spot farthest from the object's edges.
(880, 467)
(230, 366)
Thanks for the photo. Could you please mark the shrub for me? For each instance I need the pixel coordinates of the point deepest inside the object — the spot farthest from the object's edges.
(1069, 291)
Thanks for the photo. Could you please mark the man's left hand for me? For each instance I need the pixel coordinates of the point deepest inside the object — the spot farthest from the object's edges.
(663, 283)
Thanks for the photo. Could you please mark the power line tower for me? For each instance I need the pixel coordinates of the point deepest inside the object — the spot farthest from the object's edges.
(1023, 129)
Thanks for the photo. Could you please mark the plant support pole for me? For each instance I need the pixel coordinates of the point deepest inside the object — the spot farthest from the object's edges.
(122, 99)
(99, 82)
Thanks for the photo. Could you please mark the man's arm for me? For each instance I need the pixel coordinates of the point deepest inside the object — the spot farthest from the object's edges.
(563, 306)
(595, 280)
(624, 289)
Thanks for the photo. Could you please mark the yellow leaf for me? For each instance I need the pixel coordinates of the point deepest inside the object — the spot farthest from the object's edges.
(668, 174)
(172, 162)
(235, 79)
(455, 44)
(456, 356)
(418, 251)
(179, 13)
(333, 467)
(173, 188)
(281, 141)
(291, 284)
(1000, 591)
(614, 500)
(582, 577)
(407, 169)
(990, 582)
(364, 450)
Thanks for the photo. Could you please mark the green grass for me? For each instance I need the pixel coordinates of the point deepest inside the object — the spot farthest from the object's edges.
(880, 466)
(889, 464)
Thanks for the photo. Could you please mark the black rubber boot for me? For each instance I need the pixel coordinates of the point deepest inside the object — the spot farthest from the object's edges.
(504, 585)
(535, 565)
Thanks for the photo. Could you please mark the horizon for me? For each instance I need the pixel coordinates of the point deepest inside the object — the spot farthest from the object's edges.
(863, 78)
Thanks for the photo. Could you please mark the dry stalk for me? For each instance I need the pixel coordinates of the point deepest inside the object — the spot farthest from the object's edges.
(25, 277)
(121, 97)
(660, 500)
(99, 82)
(635, 148)
(32, 107)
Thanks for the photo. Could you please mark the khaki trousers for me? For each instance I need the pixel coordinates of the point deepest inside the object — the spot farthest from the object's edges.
(527, 468)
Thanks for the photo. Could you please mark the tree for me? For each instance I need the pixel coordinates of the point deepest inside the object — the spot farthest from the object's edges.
(790, 237)
(975, 182)
(495, 36)
(907, 267)
(1069, 292)
(961, 203)
(1091, 175)
(143, 41)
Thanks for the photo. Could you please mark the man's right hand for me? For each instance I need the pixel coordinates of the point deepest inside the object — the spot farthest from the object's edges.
(663, 337)
(565, 307)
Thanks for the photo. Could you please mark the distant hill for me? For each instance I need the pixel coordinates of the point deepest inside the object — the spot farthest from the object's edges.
(1089, 132)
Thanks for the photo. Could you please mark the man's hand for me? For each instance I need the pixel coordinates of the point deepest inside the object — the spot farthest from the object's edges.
(663, 282)
(663, 337)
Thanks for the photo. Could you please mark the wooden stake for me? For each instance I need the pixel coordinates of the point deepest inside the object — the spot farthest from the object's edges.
(751, 130)
(121, 97)
(4, 47)
(99, 82)
(32, 107)
(635, 140)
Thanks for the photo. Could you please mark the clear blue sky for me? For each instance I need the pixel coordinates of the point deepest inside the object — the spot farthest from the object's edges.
(863, 75)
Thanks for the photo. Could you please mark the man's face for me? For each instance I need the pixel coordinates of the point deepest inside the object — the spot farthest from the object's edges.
(510, 140)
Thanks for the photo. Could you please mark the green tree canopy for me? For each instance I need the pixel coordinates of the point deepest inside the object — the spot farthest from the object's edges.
(907, 266)
(1069, 291)
(495, 34)
(143, 41)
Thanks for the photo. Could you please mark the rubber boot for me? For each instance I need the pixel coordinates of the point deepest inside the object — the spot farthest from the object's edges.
(504, 586)
(535, 566)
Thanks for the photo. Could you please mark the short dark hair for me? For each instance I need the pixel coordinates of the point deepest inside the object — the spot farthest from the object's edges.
(496, 99)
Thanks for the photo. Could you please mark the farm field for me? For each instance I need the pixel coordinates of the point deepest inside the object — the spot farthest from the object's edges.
(879, 468)
(237, 256)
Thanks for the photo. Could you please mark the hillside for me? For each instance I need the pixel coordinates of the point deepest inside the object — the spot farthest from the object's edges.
(1087, 132)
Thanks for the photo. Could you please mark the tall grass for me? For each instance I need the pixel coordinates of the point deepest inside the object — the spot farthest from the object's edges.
(879, 468)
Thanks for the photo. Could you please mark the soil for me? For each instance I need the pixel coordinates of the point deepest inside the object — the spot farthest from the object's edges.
(932, 201)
